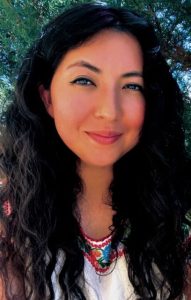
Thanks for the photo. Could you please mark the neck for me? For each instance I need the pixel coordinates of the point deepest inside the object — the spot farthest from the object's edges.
(96, 182)
(95, 213)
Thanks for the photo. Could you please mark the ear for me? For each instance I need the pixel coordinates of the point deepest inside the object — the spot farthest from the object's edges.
(46, 98)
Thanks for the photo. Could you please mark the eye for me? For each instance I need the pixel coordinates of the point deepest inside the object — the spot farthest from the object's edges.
(134, 87)
(82, 81)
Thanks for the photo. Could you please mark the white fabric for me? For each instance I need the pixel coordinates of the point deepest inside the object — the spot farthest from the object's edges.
(114, 285)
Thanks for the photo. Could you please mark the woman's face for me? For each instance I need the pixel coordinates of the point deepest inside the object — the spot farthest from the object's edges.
(96, 99)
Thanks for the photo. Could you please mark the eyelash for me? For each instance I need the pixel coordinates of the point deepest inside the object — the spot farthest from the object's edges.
(134, 87)
(131, 86)
(82, 79)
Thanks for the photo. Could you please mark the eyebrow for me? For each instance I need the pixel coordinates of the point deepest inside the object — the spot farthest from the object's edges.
(89, 66)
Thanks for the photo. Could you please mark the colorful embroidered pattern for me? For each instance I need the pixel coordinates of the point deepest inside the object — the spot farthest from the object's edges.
(5, 209)
(100, 253)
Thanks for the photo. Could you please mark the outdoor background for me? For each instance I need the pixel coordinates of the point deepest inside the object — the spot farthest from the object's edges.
(22, 20)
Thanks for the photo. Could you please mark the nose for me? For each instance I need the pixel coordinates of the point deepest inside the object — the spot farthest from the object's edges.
(107, 105)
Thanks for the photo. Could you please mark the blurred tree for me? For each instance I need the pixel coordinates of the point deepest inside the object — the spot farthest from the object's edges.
(20, 22)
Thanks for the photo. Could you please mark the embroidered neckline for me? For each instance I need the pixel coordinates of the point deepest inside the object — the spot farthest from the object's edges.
(87, 237)
(99, 252)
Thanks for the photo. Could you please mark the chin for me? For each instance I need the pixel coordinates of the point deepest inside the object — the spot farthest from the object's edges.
(100, 163)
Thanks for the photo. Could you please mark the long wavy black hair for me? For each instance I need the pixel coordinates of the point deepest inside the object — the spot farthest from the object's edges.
(150, 186)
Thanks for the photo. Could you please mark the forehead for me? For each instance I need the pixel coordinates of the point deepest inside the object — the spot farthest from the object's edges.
(108, 47)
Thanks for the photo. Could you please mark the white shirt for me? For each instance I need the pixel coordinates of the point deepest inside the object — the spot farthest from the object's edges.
(114, 285)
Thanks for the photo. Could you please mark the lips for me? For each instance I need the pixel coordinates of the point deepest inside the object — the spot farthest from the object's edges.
(104, 137)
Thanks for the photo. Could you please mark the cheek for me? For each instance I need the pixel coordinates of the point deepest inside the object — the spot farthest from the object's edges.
(135, 113)
(70, 109)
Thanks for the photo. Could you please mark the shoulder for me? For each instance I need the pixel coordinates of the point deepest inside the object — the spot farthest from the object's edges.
(187, 285)
(2, 290)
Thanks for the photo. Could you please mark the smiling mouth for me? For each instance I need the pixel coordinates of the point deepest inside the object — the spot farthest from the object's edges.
(104, 138)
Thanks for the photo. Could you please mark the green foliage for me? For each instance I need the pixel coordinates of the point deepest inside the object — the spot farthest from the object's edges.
(19, 27)
(5, 90)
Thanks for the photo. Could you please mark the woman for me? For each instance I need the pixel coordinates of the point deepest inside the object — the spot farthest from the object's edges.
(96, 188)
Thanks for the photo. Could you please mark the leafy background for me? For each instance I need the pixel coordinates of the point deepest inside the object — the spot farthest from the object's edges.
(22, 20)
